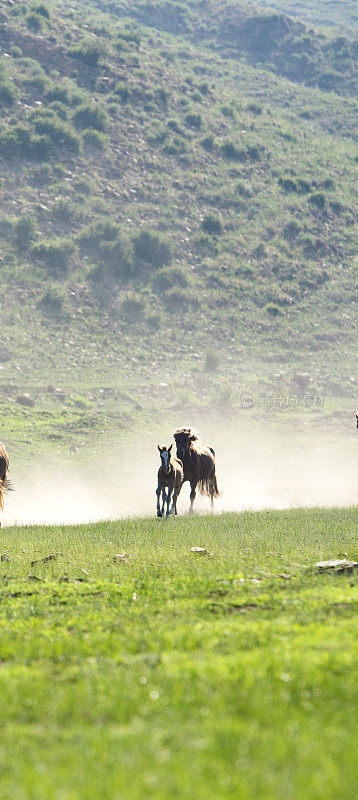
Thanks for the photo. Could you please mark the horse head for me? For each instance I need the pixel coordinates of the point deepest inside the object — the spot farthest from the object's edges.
(165, 453)
(184, 437)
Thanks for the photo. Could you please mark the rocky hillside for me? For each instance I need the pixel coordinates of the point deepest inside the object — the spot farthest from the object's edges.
(177, 199)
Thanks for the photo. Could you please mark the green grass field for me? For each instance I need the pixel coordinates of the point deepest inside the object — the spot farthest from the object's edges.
(173, 675)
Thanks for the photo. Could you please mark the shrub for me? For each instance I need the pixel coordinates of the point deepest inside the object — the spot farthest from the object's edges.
(25, 231)
(59, 93)
(42, 9)
(91, 116)
(55, 254)
(92, 236)
(15, 51)
(180, 300)
(61, 135)
(95, 138)
(207, 143)
(288, 184)
(87, 52)
(117, 256)
(317, 200)
(233, 153)
(170, 276)
(273, 310)
(153, 248)
(132, 309)
(244, 189)
(212, 361)
(9, 93)
(52, 301)
(212, 225)
(193, 120)
(255, 108)
(64, 210)
(174, 125)
(20, 141)
(83, 185)
(291, 230)
(122, 91)
(35, 22)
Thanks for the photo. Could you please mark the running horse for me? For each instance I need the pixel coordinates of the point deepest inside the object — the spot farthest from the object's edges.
(199, 464)
(4, 466)
(170, 477)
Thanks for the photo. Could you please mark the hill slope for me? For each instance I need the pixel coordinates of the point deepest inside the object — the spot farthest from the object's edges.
(171, 205)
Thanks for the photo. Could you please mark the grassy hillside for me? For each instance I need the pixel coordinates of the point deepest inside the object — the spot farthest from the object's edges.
(177, 215)
(129, 661)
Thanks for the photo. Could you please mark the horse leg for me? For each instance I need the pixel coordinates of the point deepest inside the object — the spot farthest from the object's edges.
(192, 496)
(169, 492)
(173, 509)
(164, 496)
(158, 493)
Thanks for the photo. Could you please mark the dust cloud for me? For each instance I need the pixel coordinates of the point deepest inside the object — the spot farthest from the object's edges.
(256, 469)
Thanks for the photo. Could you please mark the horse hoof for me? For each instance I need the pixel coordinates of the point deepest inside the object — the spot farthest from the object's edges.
(159, 513)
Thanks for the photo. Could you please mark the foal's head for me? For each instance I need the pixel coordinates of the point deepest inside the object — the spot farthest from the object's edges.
(165, 457)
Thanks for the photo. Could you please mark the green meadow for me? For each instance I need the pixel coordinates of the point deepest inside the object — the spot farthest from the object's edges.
(132, 667)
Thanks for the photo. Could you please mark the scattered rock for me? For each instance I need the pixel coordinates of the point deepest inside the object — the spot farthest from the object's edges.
(5, 557)
(47, 559)
(25, 400)
(201, 551)
(5, 354)
(120, 557)
(337, 564)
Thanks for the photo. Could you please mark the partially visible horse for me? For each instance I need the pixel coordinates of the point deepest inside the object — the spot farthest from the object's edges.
(199, 464)
(170, 477)
(4, 466)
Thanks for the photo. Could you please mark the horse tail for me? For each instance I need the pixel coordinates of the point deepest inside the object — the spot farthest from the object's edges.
(2, 494)
(215, 486)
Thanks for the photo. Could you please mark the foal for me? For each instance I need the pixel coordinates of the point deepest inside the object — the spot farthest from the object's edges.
(170, 477)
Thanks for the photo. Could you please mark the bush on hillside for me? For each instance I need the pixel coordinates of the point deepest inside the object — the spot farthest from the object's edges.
(9, 92)
(25, 231)
(87, 52)
(193, 120)
(52, 301)
(93, 235)
(117, 256)
(153, 248)
(91, 116)
(168, 277)
(95, 138)
(318, 200)
(232, 153)
(46, 122)
(20, 141)
(211, 224)
(132, 309)
(55, 254)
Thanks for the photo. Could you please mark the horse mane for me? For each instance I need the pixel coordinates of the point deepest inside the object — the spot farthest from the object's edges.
(190, 432)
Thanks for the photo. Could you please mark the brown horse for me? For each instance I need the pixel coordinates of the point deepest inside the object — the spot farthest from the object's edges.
(170, 477)
(4, 466)
(199, 464)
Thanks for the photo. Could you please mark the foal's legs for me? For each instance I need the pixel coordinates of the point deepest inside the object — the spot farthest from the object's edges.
(164, 497)
(169, 492)
(158, 493)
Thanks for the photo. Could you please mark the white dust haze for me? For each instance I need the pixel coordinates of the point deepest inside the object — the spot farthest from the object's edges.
(256, 469)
